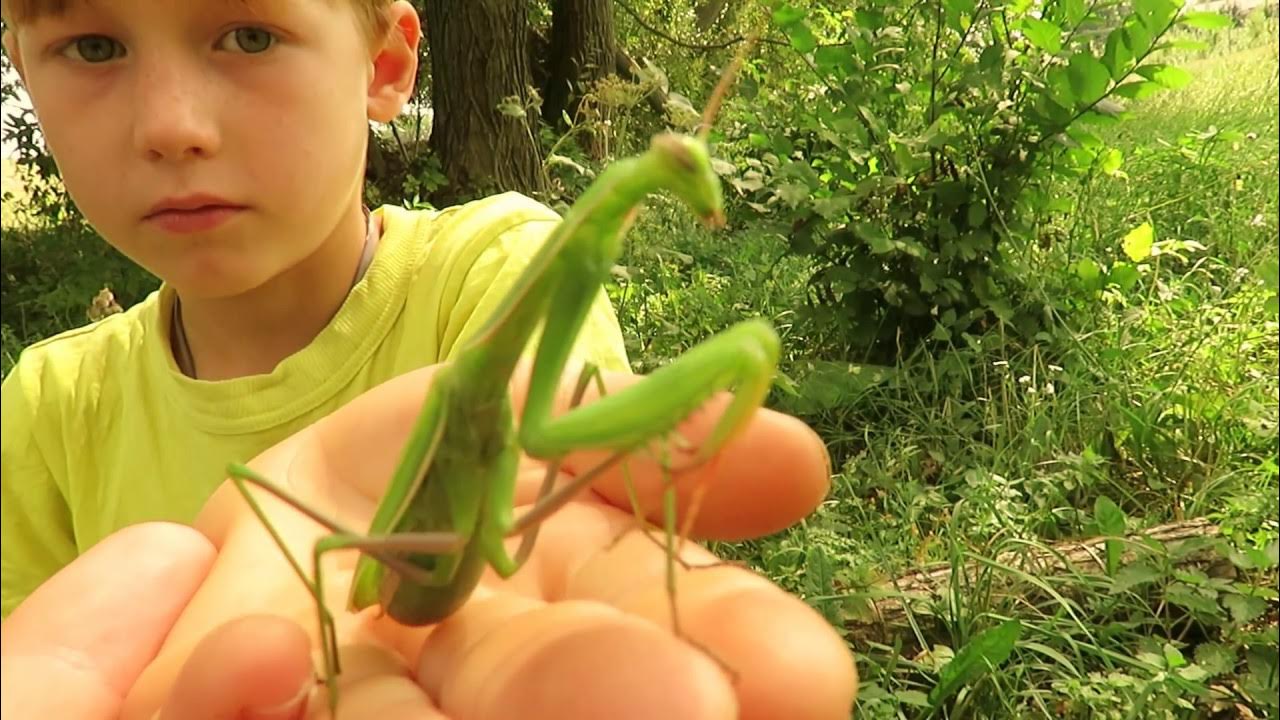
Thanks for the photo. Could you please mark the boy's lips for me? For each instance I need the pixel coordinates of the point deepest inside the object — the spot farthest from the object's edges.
(192, 213)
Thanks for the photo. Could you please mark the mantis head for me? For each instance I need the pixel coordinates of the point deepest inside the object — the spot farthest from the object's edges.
(686, 165)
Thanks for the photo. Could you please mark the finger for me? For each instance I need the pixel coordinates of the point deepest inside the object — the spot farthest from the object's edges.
(785, 657)
(255, 668)
(86, 634)
(565, 661)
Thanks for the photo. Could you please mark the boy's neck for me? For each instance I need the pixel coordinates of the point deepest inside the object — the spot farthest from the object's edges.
(251, 334)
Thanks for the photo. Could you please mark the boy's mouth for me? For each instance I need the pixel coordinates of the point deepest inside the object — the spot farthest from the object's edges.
(192, 213)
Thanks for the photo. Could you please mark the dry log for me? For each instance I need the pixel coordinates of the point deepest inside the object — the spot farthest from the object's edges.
(888, 601)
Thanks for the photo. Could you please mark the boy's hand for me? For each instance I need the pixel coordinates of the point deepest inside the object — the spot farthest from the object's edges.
(580, 631)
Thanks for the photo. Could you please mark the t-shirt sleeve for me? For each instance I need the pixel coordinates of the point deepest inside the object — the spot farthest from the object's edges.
(495, 272)
(36, 539)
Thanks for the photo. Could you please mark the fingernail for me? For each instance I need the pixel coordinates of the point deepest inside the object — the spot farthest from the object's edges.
(290, 709)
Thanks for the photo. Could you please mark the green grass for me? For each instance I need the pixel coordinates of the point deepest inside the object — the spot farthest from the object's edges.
(1162, 399)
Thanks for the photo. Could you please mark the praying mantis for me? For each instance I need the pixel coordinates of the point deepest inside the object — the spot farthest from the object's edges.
(448, 508)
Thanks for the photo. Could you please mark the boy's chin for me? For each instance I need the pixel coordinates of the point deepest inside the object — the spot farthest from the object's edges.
(210, 286)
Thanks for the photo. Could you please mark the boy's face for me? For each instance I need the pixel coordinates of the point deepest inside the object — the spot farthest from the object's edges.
(218, 143)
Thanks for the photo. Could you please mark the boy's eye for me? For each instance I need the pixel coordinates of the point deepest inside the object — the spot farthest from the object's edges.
(248, 40)
(95, 48)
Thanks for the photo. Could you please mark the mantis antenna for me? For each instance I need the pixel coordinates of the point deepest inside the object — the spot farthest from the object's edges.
(722, 88)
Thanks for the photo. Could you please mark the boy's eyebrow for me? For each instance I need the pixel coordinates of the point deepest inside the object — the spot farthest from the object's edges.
(20, 11)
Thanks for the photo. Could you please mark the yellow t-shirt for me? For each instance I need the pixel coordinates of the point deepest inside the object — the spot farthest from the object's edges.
(101, 430)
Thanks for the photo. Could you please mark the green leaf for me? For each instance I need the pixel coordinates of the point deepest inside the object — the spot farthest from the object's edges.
(835, 57)
(1137, 39)
(1089, 78)
(1139, 90)
(1155, 14)
(1043, 34)
(982, 654)
(977, 213)
(1089, 272)
(912, 697)
(832, 207)
(1205, 20)
(869, 18)
(1169, 76)
(787, 15)
(1058, 80)
(1131, 576)
(1137, 242)
(1054, 654)
(1215, 658)
(874, 236)
(1112, 159)
(1076, 11)
(1184, 44)
(802, 38)
(1117, 57)
(1124, 275)
(1249, 558)
(1202, 601)
(1110, 518)
(1111, 521)
(792, 193)
(1173, 658)
(1244, 607)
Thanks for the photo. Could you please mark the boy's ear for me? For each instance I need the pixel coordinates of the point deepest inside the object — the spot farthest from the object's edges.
(395, 66)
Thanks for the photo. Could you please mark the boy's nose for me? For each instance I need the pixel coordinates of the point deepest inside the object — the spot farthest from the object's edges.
(174, 118)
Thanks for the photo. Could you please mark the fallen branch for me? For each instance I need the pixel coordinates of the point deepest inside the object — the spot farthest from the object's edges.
(926, 588)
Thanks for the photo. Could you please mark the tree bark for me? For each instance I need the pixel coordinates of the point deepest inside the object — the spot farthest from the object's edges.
(479, 62)
(582, 51)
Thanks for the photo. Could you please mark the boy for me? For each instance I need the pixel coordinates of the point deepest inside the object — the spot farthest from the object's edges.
(221, 146)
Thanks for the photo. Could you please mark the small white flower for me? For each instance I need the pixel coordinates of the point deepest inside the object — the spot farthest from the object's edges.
(1024, 379)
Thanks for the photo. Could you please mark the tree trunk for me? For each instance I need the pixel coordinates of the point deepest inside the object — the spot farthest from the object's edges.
(479, 63)
(582, 51)
(927, 586)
